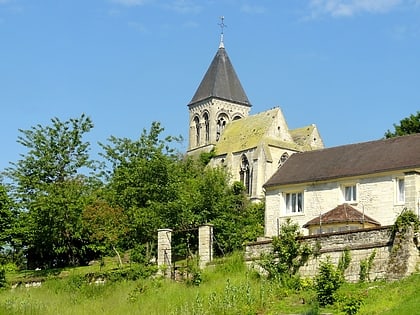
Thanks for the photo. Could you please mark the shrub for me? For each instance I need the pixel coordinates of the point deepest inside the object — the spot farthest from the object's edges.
(288, 254)
(327, 282)
(3, 281)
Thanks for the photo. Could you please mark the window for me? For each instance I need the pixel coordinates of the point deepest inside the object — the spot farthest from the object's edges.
(221, 124)
(294, 202)
(197, 130)
(283, 158)
(245, 174)
(207, 126)
(350, 193)
(400, 190)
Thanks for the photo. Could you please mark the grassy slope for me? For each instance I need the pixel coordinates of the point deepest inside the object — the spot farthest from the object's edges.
(226, 289)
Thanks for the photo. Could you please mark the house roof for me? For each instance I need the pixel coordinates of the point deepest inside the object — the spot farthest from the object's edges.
(221, 81)
(250, 132)
(399, 153)
(341, 214)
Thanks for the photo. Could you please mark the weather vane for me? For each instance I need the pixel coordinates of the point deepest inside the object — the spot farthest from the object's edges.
(222, 26)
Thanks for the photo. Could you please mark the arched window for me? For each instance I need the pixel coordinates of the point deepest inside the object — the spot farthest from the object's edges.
(245, 174)
(283, 158)
(207, 126)
(221, 124)
(197, 130)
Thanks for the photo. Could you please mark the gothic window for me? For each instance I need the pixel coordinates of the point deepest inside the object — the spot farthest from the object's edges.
(197, 130)
(221, 124)
(245, 174)
(207, 127)
(283, 158)
(236, 117)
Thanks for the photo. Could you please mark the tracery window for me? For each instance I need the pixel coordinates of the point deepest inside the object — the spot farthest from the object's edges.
(221, 124)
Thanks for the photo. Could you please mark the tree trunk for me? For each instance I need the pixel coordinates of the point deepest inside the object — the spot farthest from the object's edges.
(118, 255)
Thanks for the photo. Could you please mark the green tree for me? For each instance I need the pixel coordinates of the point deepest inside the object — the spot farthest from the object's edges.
(49, 185)
(408, 125)
(6, 217)
(140, 180)
(106, 225)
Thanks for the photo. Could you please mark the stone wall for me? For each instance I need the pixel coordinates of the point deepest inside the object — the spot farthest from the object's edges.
(394, 257)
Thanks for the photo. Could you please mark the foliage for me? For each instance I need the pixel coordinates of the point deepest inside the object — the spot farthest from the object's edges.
(352, 304)
(406, 219)
(327, 282)
(288, 255)
(6, 216)
(344, 261)
(366, 266)
(230, 290)
(105, 225)
(205, 157)
(51, 191)
(3, 281)
(408, 125)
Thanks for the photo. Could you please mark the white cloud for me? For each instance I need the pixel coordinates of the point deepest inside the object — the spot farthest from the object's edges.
(128, 3)
(343, 8)
(184, 6)
(253, 9)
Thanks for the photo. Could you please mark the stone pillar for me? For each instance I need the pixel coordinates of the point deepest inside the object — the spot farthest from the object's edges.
(205, 244)
(164, 259)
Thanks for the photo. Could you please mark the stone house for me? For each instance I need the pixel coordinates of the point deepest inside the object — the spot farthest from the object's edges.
(345, 187)
(250, 147)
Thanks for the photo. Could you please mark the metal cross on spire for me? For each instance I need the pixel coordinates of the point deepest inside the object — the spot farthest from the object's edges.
(222, 26)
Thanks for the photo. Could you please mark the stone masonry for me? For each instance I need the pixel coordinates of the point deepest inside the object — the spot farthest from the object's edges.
(395, 257)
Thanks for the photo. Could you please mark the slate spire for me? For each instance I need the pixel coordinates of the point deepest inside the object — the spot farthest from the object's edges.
(221, 81)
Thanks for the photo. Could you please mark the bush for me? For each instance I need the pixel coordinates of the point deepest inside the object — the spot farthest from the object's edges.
(3, 281)
(327, 282)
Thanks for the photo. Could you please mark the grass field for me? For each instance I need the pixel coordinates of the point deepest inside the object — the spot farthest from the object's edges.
(227, 288)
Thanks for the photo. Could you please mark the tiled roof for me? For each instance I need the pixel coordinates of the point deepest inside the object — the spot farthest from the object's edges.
(399, 153)
(221, 81)
(342, 214)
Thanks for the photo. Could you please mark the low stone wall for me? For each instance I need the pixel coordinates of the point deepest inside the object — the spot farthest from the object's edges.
(394, 257)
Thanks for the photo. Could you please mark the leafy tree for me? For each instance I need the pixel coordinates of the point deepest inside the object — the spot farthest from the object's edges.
(140, 180)
(408, 125)
(106, 225)
(156, 187)
(49, 186)
(6, 216)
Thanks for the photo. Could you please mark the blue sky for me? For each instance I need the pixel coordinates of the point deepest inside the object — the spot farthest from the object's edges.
(351, 67)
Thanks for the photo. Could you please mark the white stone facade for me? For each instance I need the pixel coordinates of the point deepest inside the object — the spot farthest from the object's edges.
(376, 197)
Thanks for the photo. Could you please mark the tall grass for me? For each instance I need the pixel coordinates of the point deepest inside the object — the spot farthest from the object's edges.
(228, 287)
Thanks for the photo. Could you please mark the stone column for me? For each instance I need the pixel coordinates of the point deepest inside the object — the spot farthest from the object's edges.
(205, 244)
(164, 259)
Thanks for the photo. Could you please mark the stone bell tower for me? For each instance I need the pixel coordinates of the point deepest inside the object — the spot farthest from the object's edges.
(218, 100)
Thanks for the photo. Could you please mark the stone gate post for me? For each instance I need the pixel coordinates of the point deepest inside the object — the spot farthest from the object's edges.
(205, 244)
(165, 250)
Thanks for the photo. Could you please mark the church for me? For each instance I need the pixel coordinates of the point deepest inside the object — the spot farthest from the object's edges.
(250, 146)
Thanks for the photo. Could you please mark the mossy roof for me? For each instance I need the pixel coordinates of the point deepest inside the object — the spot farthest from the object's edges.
(250, 132)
